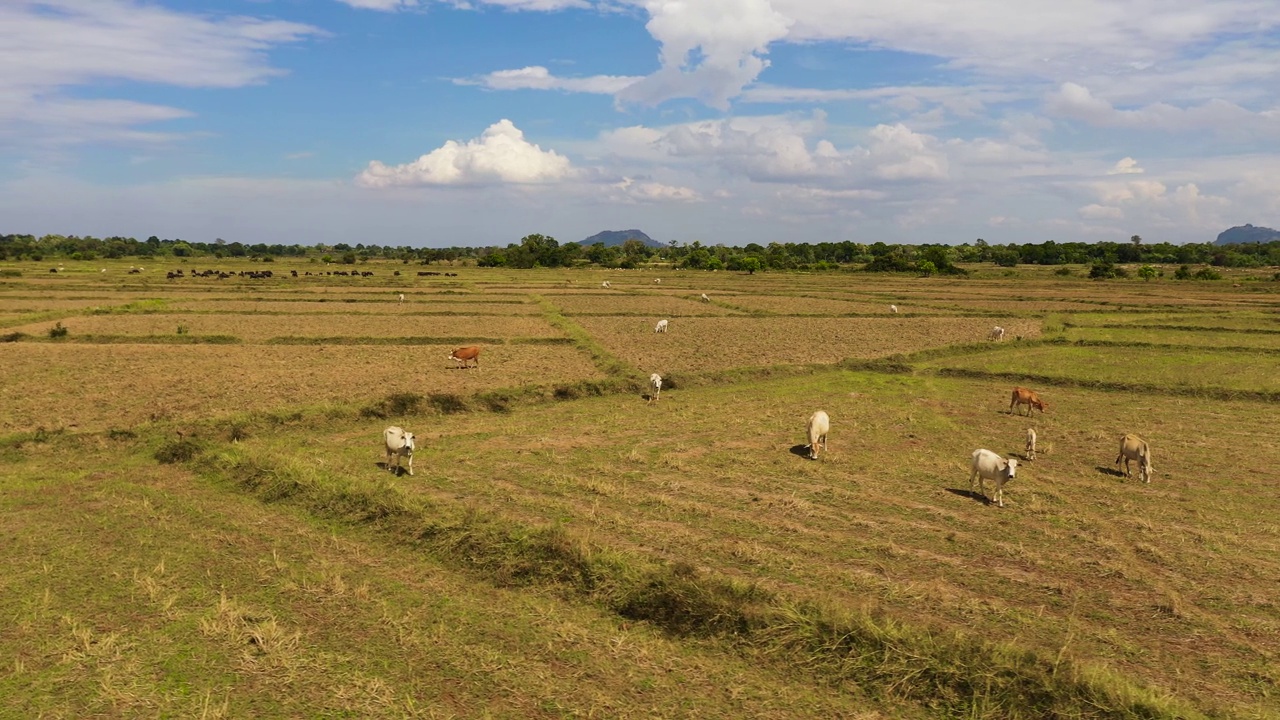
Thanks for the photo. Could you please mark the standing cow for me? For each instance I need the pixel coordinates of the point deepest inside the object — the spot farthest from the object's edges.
(655, 387)
(816, 429)
(987, 465)
(466, 354)
(997, 334)
(1030, 452)
(661, 327)
(1022, 396)
(400, 444)
(1133, 447)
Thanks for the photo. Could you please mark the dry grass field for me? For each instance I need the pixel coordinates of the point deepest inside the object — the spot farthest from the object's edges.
(565, 548)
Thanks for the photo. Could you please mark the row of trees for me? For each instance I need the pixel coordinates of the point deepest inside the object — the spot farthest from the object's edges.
(544, 251)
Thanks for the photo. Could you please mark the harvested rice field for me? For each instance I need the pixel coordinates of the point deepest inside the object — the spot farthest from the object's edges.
(95, 388)
(699, 344)
(389, 305)
(261, 327)
(657, 306)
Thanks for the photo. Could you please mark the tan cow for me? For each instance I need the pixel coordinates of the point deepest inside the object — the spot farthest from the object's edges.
(1031, 444)
(1133, 447)
(817, 428)
(466, 354)
(1023, 396)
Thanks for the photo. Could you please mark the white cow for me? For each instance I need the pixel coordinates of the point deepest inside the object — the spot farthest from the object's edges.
(990, 466)
(1133, 447)
(817, 428)
(705, 298)
(1031, 444)
(661, 327)
(605, 284)
(400, 444)
(657, 281)
(655, 386)
(997, 333)
(893, 309)
(401, 297)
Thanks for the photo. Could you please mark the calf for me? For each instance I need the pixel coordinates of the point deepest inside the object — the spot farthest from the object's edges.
(655, 386)
(893, 309)
(661, 327)
(1133, 447)
(817, 428)
(605, 284)
(1022, 396)
(705, 298)
(400, 444)
(990, 466)
(997, 333)
(466, 354)
(1030, 452)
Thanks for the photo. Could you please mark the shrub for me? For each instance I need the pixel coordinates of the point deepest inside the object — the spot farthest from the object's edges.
(1182, 273)
(58, 331)
(12, 337)
(1146, 272)
(182, 330)
(180, 450)
(1063, 271)
(1208, 274)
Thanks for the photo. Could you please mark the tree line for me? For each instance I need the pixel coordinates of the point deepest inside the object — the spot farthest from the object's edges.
(537, 250)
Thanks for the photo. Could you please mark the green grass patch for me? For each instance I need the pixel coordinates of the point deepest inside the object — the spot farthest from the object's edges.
(1185, 371)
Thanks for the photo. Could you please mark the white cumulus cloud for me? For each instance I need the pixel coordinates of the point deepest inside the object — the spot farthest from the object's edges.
(630, 190)
(536, 77)
(499, 155)
(1126, 166)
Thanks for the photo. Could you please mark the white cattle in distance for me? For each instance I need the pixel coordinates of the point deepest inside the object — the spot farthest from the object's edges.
(661, 327)
(655, 387)
(816, 429)
(657, 281)
(402, 298)
(605, 284)
(705, 298)
(997, 333)
(893, 309)
(990, 466)
(1031, 444)
(400, 444)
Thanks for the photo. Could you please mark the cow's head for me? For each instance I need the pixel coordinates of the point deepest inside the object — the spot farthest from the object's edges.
(1011, 468)
(1039, 404)
(408, 441)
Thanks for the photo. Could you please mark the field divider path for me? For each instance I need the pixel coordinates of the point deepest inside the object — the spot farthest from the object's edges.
(605, 361)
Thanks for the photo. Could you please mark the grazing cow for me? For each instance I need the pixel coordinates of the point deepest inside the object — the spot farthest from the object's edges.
(990, 466)
(657, 281)
(655, 386)
(400, 444)
(661, 327)
(401, 297)
(1022, 396)
(1133, 447)
(893, 309)
(1030, 451)
(705, 298)
(605, 284)
(817, 428)
(466, 354)
(997, 334)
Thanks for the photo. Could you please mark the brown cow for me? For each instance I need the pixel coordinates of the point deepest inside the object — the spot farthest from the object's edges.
(465, 354)
(1023, 396)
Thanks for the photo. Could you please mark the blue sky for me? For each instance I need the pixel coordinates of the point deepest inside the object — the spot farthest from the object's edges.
(438, 122)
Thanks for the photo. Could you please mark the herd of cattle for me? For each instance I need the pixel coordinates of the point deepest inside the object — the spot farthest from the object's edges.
(984, 464)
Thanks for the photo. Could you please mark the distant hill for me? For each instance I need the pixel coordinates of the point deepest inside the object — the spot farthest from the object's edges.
(613, 238)
(1246, 234)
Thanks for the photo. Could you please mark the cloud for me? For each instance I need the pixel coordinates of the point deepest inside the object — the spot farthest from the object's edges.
(1095, 211)
(1076, 102)
(499, 155)
(710, 49)
(50, 46)
(1126, 166)
(630, 190)
(536, 77)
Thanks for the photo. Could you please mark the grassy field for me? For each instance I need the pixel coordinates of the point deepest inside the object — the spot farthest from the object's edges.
(198, 522)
